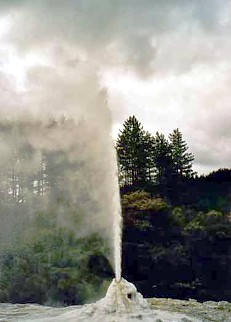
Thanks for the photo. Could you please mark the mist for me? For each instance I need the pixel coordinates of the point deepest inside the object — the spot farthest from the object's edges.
(58, 165)
(58, 157)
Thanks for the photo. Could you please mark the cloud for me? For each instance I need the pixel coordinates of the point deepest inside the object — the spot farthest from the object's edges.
(138, 31)
(170, 57)
(11, 101)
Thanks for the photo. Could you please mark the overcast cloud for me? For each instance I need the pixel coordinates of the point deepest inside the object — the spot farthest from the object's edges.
(167, 62)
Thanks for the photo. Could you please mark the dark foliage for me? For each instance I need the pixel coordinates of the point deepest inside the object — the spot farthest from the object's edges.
(174, 252)
(177, 225)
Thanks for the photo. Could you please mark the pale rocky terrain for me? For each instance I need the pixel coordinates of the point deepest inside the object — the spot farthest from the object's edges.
(122, 303)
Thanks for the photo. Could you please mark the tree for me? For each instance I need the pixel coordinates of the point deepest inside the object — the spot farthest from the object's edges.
(162, 159)
(149, 143)
(182, 159)
(133, 148)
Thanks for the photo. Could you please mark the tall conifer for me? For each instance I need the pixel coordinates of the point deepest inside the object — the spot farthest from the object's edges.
(182, 159)
(162, 159)
(133, 151)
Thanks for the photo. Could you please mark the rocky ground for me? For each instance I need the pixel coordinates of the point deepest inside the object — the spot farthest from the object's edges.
(207, 311)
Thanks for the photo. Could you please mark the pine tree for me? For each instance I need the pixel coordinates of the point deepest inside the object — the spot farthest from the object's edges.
(133, 150)
(149, 144)
(182, 159)
(162, 159)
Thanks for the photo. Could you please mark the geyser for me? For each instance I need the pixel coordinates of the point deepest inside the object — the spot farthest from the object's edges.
(117, 223)
(123, 297)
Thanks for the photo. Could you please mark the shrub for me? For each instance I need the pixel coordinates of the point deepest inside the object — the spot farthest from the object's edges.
(54, 267)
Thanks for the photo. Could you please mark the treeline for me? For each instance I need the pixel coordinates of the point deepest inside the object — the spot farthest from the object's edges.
(177, 225)
(30, 166)
(35, 174)
(153, 162)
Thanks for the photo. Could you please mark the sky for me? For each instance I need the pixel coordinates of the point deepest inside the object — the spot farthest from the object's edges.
(166, 62)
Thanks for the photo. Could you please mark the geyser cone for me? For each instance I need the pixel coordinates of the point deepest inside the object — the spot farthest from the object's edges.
(121, 303)
(123, 296)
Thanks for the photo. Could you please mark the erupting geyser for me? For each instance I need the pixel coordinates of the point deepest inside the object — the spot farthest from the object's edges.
(117, 221)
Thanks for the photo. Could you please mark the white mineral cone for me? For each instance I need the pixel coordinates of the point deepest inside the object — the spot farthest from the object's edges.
(123, 297)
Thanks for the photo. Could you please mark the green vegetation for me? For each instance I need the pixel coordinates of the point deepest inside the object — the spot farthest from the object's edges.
(174, 251)
(177, 226)
(54, 267)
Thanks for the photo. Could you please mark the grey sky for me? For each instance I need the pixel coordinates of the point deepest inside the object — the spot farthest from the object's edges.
(167, 62)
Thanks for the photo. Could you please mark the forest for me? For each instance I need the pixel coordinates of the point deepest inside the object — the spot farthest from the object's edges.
(176, 224)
